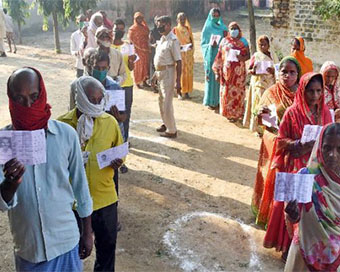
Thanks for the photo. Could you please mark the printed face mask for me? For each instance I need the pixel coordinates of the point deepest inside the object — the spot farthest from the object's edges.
(234, 33)
(100, 75)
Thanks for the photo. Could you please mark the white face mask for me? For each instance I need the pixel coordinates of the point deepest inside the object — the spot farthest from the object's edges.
(105, 43)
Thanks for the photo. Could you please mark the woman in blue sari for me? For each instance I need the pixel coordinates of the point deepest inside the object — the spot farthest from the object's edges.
(213, 26)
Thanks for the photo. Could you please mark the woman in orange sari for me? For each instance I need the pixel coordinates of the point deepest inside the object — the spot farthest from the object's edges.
(298, 51)
(230, 70)
(184, 34)
(281, 95)
(139, 36)
(309, 108)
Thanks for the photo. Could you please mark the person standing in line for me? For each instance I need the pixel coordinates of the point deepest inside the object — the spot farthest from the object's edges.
(39, 198)
(2, 33)
(184, 35)
(90, 36)
(98, 131)
(330, 73)
(77, 39)
(153, 38)
(10, 31)
(127, 85)
(298, 51)
(167, 59)
(139, 36)
(213, 26)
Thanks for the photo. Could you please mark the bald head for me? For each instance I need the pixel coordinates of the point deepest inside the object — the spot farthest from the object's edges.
(24, 86)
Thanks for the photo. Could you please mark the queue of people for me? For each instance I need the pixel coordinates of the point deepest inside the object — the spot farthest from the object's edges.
(308, 235)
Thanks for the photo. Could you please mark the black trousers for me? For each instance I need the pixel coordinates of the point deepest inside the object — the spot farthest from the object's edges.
(104, 225)
(128, 105)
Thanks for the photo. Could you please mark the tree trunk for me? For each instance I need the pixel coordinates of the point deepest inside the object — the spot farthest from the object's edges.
(19, 33)
(252, 28)
(56, 32)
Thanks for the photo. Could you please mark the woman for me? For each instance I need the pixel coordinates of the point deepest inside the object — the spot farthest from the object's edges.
(260, 81)
(282, 96)
(298, 52)
(139, 36)
(308, 109)
(330, 74)
(230, 69)
(316, 241)
(213, 26)
(184, 34)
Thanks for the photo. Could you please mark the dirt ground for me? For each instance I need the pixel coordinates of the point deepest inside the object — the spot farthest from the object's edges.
(185, 203)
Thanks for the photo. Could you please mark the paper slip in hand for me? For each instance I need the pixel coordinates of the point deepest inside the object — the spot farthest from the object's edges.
(105, 158)
(115, 98)
(186, 47)
(290, 187)
(270, 120)
(332, 114)
(232, 55)
(215, 38)
(310, 133)
(28, 147)
(261, 67)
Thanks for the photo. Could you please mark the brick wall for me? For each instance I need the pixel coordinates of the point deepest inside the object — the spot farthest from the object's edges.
(297, 18)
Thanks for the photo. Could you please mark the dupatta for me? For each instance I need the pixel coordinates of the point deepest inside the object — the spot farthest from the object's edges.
(305, 63)
(332, 95)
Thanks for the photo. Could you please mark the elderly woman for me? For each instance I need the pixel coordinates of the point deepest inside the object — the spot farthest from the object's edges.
(330, 72)
(184, 35)
(291, 155)
(316, 240)
(230, 70)
(282, 96)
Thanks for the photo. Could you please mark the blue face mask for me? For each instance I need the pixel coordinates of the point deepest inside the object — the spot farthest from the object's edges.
(99, 75)
(234, 33)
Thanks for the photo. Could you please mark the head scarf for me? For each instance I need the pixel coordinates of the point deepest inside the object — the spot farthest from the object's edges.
(88, 110)
(295, 61)
(181, 31)
(92, 26)
(332, 96)
(305, 63)
(102, 30)
(319, 227)
(240, 31)
(34, 117)
(135, 25)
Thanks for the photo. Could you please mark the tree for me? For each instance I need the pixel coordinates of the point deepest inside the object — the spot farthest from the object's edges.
(62, 11)
(328, 9)
(19, 11)
(252, 28)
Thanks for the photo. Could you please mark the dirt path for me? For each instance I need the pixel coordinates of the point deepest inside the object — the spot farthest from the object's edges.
(185, 203)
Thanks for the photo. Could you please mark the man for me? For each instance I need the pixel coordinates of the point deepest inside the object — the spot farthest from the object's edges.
(39, 198)
(9, 31)
(167, 55)
(2, 34)
(98, 131)
(117, 67)
(95, 22)
(77, 39)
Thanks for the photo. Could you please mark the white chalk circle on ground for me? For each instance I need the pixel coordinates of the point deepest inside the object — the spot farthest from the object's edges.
(204, 241)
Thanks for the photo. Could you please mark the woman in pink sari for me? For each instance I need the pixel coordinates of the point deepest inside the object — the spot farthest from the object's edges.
(309, 108)
(230, 70)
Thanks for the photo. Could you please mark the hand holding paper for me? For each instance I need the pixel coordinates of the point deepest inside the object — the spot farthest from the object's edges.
(270, 119)
(105, 157)
(310, 133)
(215, 39)
(232, 55)
(115, 98)
(261, 67)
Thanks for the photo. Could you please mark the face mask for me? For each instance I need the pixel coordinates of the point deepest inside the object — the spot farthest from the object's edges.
(161, 29)
(100, 75)
(234, 33)
(216, 20)
(81, 25)
(119, 34)
(105, 43)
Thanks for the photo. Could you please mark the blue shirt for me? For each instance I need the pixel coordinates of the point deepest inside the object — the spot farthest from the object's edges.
(40, 214)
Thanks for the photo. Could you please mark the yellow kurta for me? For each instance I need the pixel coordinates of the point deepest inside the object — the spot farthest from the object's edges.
(184, 36)
(106, 134)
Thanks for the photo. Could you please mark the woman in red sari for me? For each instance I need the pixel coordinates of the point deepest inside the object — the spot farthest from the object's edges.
(308, 109)
(139, 37)
(230, 70)
(330, 73)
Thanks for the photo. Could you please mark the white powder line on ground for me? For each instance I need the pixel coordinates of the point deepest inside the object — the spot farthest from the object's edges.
(146, 121)
(190, 261)
(150, 138)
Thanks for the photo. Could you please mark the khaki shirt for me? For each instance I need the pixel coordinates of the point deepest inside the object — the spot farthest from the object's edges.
(167, 51)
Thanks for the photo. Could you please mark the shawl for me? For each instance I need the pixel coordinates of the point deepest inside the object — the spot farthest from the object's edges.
(34, 117)
(332, 95)
(305, 63)
(319, 226)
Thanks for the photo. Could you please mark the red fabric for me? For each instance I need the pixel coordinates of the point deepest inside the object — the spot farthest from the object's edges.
(108, 23)
(291, 128)
(34, 117)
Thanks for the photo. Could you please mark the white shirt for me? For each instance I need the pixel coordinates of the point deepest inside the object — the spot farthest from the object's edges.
(9, 23)
(77, 40)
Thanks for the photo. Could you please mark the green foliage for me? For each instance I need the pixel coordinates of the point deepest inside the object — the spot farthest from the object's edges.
(17, 9)
(328, 9)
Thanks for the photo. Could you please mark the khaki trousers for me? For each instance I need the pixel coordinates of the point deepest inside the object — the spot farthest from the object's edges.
(166, 80)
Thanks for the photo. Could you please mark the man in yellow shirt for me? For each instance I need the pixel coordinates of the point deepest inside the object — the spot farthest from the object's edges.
(97, 132)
